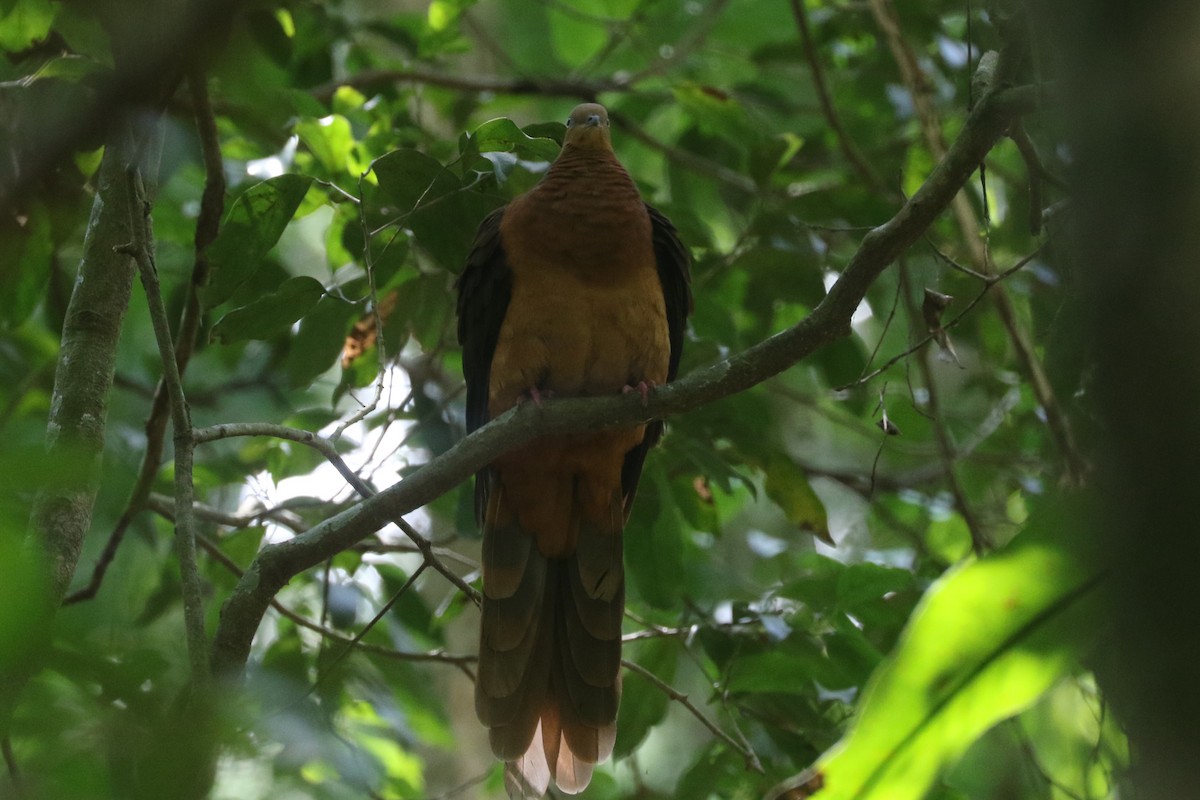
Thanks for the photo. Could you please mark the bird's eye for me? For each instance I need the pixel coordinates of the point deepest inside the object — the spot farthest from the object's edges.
(570, 122)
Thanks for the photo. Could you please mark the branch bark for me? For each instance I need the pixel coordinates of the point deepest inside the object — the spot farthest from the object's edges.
(62, 512)
(276, 564)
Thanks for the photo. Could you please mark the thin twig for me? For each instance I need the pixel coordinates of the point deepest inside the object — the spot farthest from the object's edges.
(462, 787)
(10, 762)
(218, 555)
(845, 143)
(324, 446)
(165, 507)
(989, 282)
(380, 349)
(670, 691)
(685, 158)
(327, 449)
(141, 249)
(550, 87)
(946, 450)
(444, 552)
(887, 324)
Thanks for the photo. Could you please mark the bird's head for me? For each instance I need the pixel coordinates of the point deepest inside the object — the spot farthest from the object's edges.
(587, 128)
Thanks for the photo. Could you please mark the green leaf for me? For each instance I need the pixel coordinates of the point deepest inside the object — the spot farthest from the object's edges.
(867, 581)
(654, 553)
(251, 228)
(989, 638)
(409, 177)
(270, 315)
(790, 668)
(441, 212)
(502, 135)
(242, 545)
(27, 22)
(716, 112)
(320, 340)
(23, 606)
(788, 486)
(331, 141)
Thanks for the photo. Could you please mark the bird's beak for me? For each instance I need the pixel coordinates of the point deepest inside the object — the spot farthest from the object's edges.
(593, 121)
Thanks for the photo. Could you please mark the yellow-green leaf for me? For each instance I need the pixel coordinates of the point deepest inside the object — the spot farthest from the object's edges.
(989, 638)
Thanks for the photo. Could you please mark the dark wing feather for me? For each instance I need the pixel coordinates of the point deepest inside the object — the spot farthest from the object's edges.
(675, 277)
(484, 289)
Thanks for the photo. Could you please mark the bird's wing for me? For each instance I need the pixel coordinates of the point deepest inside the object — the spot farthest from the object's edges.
(484, 289)
(675, 277)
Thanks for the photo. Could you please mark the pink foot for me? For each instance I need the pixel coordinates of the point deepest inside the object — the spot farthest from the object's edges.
(643, 388)
(536, 395)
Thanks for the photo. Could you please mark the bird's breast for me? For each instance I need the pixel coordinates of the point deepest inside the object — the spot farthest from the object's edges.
(586, 315)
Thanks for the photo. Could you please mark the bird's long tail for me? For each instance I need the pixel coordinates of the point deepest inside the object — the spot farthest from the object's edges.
(550, 646)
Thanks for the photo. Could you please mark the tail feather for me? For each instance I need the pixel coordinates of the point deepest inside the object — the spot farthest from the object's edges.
(513, 719)
(550, 649)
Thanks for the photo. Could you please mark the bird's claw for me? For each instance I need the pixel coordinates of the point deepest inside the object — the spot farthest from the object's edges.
(536, 395)
(641, 387)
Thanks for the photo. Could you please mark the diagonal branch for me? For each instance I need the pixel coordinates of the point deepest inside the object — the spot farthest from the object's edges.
(277, 564)
(751, 758)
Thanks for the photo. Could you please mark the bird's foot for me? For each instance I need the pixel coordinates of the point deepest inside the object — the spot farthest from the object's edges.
(535, 395)
(641, 387)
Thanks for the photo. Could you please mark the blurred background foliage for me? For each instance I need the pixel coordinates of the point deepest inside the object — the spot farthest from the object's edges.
(801, 555)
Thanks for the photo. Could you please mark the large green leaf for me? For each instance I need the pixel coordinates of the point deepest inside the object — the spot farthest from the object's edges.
(321, 337)
(503, 136)
(431, 201)
(270, 315)
(250, 229)
(25, 22)
(788, 486)
(654, 552)
(988, 639)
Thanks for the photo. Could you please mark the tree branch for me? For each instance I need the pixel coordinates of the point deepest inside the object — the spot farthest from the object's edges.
(670, 691)
(141, 248)
(276, 564)
(62, 512)
(375, 78)
(212, 206)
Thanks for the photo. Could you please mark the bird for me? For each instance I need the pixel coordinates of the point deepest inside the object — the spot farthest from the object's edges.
(577, 288)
